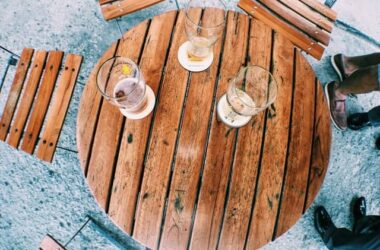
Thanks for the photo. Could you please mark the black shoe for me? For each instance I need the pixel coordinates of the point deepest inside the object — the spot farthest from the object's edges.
(360, 208)
(378, 143)
(322, 221)
(358, 121)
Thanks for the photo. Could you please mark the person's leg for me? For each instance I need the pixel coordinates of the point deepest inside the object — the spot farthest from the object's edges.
(367, 225)
(361, 81)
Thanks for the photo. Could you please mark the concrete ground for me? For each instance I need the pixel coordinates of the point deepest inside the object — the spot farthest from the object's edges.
(38, 198)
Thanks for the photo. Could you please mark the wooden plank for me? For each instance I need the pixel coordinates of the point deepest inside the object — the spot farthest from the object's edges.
(14, 94)
(321, 147)
(310, 14)
(294, 190)
(163, 139)
(191, 147)
(275, 148)
(302, 41)
(60, 104)
(321, 8)
(298, 21)
(101, 2)
(89, 109)
(212, 194)
(124, 7)
(42, 101)
(247, 155)
(27, 99)
(110, 123)
(135, 137)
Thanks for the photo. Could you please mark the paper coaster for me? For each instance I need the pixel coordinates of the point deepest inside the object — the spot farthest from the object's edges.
(193, 66)
(151, 101)
(224, 111)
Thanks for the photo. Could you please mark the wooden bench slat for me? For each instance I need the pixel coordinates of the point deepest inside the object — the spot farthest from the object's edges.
(163, 139)
(247, 155)
(310, 46)
(59, 107)
(321, 8)
(192, 143)
(124, 7)
(101, 2)
(274, 149)
(106, 138)
(309, 14)
(27, 99)
(42, 101)
(298, 21)
(294, 188)
(15, 91)
(210, 209)
(130, 163)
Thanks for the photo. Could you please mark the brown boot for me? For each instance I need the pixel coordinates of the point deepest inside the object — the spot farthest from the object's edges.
(337, 105)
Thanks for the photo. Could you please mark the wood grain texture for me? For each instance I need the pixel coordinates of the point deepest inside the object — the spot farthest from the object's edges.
(42, 101)
(106, 138)
(59, 107)
(15, 91)
(210, 209)
(130, 163)
(321, 8)
(26, 101)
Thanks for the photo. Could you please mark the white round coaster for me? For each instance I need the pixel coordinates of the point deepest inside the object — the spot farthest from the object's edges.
(193, 66)
(149, 106)
(233, 121)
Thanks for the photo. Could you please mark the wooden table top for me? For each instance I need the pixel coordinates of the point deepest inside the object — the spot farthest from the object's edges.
(180, 179)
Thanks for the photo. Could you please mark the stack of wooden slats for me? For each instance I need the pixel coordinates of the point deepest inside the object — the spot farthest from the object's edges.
(307, 23)
(116, 8)
(29, 98)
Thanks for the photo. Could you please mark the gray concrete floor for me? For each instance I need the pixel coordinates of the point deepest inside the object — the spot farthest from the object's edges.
(38, 198)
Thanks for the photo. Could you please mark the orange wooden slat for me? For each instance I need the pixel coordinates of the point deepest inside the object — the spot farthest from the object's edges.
(321, 8)
(27, 99)
(310, 14)
(247, 155)
(110, 123)
(130, 163)
(302, 41)
(89, 111)
(59, 106)
(163, 139)
(101, 2)
(274, 149)
(208, 217)
(294, 190)
(192, 142)
(321, 147)
(14, 94)
(124, 7)
(42, 101)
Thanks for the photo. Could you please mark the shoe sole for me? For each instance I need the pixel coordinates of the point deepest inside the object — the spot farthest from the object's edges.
(328, 104)
(337, 71)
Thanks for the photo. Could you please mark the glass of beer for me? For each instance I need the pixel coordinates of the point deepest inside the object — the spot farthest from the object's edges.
(253, 90)
(121, 82)
(197, 53)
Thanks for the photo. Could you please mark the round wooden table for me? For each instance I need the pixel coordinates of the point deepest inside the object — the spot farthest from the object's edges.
(180, 179)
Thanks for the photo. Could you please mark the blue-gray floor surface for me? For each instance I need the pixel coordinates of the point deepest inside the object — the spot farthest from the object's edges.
(38, 198)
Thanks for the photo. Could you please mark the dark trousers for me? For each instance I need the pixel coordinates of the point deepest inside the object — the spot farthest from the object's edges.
(374, 116)
(365, 236)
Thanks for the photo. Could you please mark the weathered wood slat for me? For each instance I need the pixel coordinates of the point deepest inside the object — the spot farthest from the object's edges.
(247, 155)
(208, 217)
(191, 146)
(124, 7)
(17, 85)
(321, 8)
(130, 163)
(294, 190)
(27, 99)
(42, 101)
(106, 138)
(162, 145)
(59, 107)
(275, 148)
(307, 44)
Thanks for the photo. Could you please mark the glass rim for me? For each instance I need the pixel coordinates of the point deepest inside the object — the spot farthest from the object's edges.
(104, 94)
(187, 9)
(270, 101)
